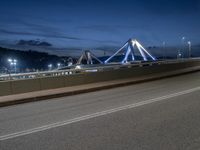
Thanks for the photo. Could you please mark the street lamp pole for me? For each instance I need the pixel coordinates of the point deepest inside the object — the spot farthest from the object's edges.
(13, 63)
(182, 47)
(58, 65)
(50, 66)
(189, 48)
(164, 44)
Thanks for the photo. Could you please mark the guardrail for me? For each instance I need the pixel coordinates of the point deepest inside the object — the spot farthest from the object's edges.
(109, 67)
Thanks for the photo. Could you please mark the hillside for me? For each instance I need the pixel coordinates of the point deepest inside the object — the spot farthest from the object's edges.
(29, 60)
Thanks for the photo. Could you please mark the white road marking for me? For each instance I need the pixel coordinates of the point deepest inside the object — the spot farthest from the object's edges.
(97, 114)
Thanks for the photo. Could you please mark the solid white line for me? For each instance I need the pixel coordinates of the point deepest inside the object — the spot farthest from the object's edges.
(97, 114)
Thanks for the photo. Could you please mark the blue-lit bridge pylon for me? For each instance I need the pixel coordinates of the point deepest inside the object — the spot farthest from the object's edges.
(89, 57)
(129, 49)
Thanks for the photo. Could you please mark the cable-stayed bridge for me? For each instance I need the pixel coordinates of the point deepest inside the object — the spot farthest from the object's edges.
(129, 49)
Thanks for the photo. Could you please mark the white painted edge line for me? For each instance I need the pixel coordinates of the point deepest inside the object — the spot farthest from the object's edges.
(97, 114)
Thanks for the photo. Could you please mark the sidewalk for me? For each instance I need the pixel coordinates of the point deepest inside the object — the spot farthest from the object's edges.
(74, 90)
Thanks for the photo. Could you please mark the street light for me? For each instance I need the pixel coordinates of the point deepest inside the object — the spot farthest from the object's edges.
(50, 66)
(58, 65)
(13, 63)
(183, 39)
(179, 55)
(189, 48)
(164, 44)
(183, 44)
(78, 67)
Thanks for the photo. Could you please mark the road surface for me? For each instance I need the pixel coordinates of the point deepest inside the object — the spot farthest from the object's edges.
(157, 115)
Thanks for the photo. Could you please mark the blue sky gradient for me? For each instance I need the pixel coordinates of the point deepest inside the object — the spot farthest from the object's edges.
(99, 23)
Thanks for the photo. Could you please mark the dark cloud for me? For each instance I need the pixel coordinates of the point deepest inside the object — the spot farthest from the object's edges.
(33, 43)
(49, 35)
(47, 31)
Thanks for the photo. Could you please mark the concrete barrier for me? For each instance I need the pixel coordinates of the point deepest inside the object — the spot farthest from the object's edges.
(23, 86)
(52, 82)
(5, 88)
(29, 85)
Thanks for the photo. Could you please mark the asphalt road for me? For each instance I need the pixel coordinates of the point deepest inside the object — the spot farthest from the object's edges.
(157, 115)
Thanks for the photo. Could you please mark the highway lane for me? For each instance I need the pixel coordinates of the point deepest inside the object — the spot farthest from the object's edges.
(127, 129)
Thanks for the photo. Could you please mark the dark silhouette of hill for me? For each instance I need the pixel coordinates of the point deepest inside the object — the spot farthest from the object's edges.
(31, 60)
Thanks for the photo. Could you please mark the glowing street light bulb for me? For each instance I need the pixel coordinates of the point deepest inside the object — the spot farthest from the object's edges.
(58, 64)
(189, 48)
(50, 66)
(78, 67)
(13, 63)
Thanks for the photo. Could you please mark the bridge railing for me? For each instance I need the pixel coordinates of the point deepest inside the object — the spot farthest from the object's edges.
(66, 72)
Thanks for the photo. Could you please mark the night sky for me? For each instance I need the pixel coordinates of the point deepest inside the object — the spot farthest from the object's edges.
(99, 23)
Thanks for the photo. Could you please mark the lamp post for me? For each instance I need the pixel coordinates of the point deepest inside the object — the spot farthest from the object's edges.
(13, 63)
(58, 65)
(179, 54)
(164, 44)
(189, 48)
(50, 66)
(183, 45)
(183, 39)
